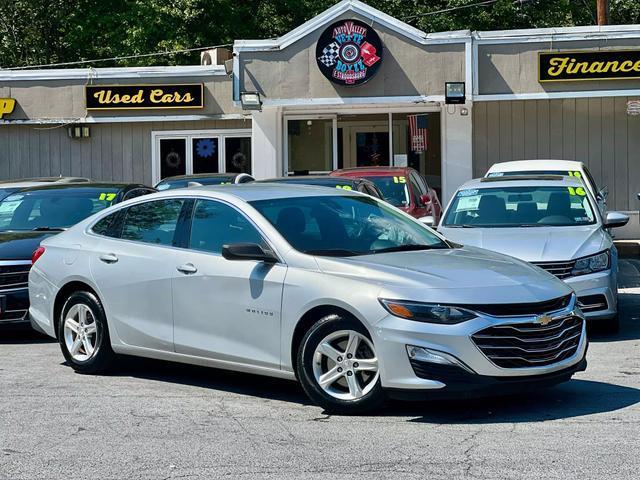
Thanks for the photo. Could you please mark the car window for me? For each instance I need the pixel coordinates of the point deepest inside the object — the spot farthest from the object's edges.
(105, 225)
(394, 189)
(152, 222)
(417, 189)
(136, 192)
(590, 180)
(215, 224)
(520, 206)
(345, 225)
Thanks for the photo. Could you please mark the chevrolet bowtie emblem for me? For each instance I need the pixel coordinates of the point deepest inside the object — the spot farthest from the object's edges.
(543, 320)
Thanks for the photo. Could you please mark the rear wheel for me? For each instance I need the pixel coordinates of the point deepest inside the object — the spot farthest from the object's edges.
(83, 334)
(338, 366)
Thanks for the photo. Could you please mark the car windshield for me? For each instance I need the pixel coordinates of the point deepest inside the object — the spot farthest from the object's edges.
(533, 206)
(394, 189)
(345, 226)
(5, 192)
(53, 209)
(184, 182)
(332, 182)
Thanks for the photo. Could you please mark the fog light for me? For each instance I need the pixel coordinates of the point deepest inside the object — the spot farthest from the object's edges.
(425, 355)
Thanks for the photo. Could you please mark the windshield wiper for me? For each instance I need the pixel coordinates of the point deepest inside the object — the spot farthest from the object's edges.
(464, 225)
(333, 252)
(409, 248)
(48, 229)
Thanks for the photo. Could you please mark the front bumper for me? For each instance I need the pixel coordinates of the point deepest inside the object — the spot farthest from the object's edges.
(14, 307)
(393, 334)
(597, 294)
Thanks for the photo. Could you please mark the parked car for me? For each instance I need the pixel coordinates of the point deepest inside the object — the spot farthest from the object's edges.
(9, 186)
(568, 168)
(361, 185)
(345, 293)
(29, 215)
(182, 181)
(402, 187)
(551, 221)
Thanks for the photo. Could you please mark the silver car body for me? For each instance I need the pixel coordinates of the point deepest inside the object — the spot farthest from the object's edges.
(242, 315)
(553, 247)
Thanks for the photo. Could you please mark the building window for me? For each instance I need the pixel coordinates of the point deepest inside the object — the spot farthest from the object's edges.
(201, 151)
(310, 146)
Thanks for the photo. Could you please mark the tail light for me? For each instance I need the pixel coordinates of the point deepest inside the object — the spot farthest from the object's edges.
(37, 254)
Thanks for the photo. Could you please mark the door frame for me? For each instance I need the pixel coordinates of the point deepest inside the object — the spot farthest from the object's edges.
(221, 134)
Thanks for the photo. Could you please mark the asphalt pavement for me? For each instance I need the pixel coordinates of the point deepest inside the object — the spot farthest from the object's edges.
(157, 420)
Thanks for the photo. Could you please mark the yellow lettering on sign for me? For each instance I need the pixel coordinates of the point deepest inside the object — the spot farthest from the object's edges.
(575, 174)
(7, 105)
(399, 179)
(106, 97)
(159, 96)
(344, 187)
(558, 65)
(577, 191)
(107, 196)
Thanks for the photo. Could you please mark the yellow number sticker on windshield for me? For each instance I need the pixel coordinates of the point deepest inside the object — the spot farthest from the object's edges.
(577, 191)
(107, 196)
(399, 179)
(575, 174)
(344, 187)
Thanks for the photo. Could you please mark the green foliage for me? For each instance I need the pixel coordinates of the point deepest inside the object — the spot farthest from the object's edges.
(36, 32)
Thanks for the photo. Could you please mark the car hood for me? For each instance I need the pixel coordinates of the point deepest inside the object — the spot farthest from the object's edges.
(459, 275)
(20, 245)
(534, 244)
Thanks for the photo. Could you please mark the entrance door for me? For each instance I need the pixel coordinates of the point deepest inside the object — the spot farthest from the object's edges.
(369, 146)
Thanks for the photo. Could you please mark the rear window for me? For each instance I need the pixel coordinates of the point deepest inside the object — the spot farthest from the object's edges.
(53, 209)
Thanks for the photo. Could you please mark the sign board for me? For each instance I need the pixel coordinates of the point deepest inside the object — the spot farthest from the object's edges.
(349, 52)
(588, 65)
(7, 105)
(148, 97)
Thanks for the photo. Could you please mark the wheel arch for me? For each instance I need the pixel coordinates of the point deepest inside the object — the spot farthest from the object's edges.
(64, 293)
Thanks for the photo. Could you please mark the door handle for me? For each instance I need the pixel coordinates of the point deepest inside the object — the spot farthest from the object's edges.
(109, 258)
(187, 268)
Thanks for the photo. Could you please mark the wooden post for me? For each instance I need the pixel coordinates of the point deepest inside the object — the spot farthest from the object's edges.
(603, 12)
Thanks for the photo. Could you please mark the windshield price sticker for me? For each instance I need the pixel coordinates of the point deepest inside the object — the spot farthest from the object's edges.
(399, 179)
(344, 187)
(577, 191)
(107, 196)
(575, 174)
(468, 193)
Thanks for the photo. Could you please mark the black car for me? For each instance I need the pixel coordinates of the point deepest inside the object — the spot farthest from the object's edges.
(357, 184)
(29, 215)
(182, 181)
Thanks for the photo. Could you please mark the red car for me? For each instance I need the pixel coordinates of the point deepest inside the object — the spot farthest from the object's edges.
(402, 187)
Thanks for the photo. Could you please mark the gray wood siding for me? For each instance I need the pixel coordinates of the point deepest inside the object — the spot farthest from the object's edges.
(115, 151)
(596, 131)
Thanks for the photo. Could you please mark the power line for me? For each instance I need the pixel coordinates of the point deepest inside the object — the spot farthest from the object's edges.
(126, 57)
(486, 3)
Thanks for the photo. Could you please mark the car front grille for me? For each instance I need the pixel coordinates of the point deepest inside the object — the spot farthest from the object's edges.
(515, 309)
(524, 345)
(14, 276)
(559, 269)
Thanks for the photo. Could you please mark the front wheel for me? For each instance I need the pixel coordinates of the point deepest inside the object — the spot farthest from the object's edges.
(83, 334)
(338, 366)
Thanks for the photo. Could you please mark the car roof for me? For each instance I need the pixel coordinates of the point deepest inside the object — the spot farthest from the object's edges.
(370, 171)
(523, 181)
(260, 191)
(199, 175)
(33, 182)
(75, 186)
(319, 179)
(548, 164)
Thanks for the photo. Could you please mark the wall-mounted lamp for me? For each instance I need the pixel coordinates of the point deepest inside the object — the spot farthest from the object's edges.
(250, 101)
(77, 131)
(454, 93)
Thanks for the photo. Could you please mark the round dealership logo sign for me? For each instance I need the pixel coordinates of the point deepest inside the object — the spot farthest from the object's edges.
(349, 52)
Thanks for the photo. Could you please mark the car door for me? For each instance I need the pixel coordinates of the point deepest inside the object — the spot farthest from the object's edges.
(133, 273)
(226, 309)
(418, 190)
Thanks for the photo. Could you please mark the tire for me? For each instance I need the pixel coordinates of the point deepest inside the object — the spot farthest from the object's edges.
(94, 333)
(340, 335)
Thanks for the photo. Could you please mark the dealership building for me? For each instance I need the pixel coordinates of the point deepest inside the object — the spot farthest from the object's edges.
(350, 87)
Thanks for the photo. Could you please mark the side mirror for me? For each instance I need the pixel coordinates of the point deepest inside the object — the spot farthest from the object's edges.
(425, 199)
(248, 251)
(615, 219)
(428, 221)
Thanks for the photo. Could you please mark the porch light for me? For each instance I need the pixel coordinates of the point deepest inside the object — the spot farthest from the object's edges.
(250, 101)
(454, 93)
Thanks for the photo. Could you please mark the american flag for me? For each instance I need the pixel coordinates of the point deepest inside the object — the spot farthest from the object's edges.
(418, 126)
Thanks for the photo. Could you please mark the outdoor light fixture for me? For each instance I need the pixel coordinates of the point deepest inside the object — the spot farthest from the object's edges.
(454, 93)
(78, 131)
(250, 101)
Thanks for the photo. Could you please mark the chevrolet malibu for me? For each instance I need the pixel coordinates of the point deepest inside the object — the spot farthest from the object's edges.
(551, 221)
(350, 296)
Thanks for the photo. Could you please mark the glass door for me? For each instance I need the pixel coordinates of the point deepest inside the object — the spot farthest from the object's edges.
(310, 146)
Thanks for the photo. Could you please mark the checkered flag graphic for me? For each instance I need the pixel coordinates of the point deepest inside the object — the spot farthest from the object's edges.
(329, 54)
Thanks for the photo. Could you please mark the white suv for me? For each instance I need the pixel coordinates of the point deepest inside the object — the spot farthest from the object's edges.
(349, 295)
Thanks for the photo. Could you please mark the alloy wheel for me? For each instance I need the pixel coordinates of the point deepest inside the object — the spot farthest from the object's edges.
(345, 365)
(80, 332)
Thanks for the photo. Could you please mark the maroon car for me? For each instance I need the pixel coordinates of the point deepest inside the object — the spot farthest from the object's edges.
(402, 187)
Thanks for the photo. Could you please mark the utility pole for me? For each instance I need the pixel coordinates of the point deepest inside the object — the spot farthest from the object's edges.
(603, 12)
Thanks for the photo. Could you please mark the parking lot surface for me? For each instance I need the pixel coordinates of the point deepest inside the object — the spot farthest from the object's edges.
(156, 420)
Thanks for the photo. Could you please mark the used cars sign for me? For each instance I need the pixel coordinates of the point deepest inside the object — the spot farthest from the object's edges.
(130, 97)
(583, 65)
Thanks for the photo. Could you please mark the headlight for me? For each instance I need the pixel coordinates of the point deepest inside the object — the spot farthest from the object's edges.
(427, 312)
(591, 264)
